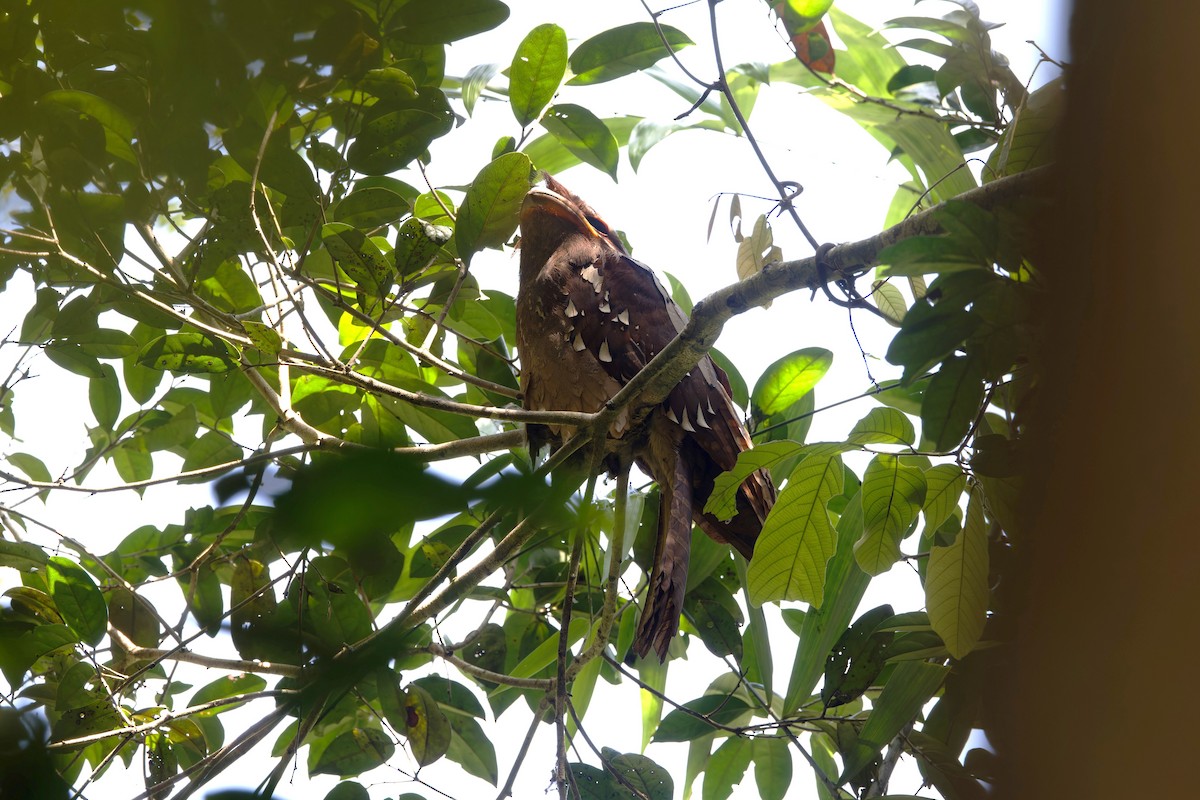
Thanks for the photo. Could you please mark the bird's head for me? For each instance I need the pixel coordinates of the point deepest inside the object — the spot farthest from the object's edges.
(550, 215)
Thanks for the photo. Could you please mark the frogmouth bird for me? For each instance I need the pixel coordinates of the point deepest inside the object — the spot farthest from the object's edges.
(589, 317)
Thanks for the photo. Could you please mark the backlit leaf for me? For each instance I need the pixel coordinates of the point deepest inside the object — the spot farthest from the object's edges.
(537, 69)
(490, 210)
(77, 598)
(956, 585)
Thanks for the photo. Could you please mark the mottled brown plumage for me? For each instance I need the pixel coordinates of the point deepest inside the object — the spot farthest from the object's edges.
(589, 317)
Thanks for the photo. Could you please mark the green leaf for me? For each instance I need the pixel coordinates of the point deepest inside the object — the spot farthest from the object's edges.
(221, 688)
(821, 627)
(194, 353)
(209, 450)
(78, 599)
(105, 396)
(797, 538)
(772, 757)
(118, 129)
(22, 556)
(892, 493)
(857, 659)
(1029, 140)
(789, 379)
(723, 500)
(929, 334)
(358, 256)
(491, 209)
(647, 778)
(417, 244)
(682, 726)
(945, 484)
(645, 135)
(391, 138)
(883, 426)
(441, 21)
(31, 465)
(549, 154)
(471, 749)
(354, 752)
(428, 730)
(952, 402)
(623, 50)
(890, 301)
(956, 584)
(926, 255)
(475, 81)
(726, 768)
(370, 207)
(584, 134)
(907, 690)
(537, 69)
(346, 790)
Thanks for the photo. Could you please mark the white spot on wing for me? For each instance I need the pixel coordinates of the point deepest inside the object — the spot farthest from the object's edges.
(605, 307)
(577, 343)
(605, 354)
(671, 415)
(592, 276)
(686, 423)
(572, 311)
(623, 317)
(700, 420)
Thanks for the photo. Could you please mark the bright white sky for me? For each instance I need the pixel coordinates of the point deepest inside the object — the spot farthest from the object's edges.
(664, 209)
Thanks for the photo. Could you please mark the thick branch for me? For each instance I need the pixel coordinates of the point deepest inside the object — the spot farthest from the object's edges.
(709, 316)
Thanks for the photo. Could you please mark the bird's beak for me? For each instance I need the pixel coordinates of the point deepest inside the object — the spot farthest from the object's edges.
(543, 201)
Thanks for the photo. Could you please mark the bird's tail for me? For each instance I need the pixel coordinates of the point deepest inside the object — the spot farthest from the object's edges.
(668, 578)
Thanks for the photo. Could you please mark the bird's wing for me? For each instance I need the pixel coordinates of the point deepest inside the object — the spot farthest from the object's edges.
(624, 317)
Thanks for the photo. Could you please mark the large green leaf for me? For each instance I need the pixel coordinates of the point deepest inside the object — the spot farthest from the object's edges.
(392, 137)
(584, 134)
(440, 21)
(723, 500)
(892, 494)
(952, 402)
(797, 538)
(354, 752)
(492, 206)
(188, 352)
(956, 585)
(821, 627)
(726, 768)
(772, 757)
(623, 50)
(77, 598)
(549, 154)
(537, 70)
(788, 379)
(907, 690)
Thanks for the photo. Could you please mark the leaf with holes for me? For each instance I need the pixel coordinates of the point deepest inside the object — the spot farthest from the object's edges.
(584, 135)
